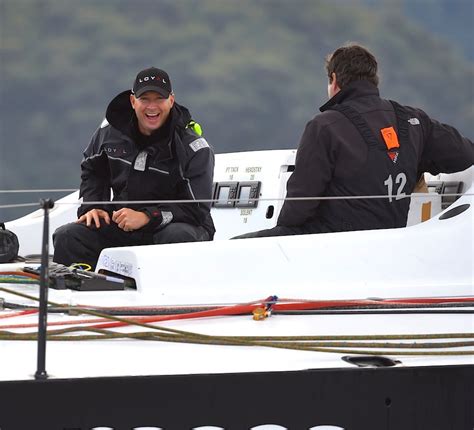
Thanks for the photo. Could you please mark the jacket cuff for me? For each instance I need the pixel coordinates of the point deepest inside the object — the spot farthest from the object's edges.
(158, 218)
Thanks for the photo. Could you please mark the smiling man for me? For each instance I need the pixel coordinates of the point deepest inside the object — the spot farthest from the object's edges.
(147, 149)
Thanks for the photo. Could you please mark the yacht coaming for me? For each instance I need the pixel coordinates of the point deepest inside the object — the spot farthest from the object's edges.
(343, 387)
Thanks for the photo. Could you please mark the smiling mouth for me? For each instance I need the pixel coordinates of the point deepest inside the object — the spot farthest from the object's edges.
(152, 116)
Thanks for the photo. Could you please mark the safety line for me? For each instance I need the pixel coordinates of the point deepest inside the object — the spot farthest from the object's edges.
(259, 199)
(19, 205)
(55, 190)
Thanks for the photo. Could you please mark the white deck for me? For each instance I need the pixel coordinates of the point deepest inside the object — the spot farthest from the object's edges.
(134, 358)
(432, 259)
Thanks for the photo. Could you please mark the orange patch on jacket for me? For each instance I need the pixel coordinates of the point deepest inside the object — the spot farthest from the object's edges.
(390, 138)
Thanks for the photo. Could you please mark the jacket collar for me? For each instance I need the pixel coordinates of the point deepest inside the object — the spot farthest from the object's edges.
(351, 91)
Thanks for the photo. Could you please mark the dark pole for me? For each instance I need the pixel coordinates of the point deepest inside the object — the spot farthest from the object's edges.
(45, 204)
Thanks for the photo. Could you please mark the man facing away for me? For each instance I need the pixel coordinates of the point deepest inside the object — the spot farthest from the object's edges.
(363, 145)
(149, 148)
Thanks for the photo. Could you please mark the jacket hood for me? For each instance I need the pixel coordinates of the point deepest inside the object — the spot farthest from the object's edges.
(120, 114)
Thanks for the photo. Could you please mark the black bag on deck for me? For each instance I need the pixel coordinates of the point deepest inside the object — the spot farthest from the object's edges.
(8, 245)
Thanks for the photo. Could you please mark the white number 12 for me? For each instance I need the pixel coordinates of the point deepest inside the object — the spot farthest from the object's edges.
(400, 179)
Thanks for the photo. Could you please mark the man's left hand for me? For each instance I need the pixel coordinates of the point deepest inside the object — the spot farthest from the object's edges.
(129, 220)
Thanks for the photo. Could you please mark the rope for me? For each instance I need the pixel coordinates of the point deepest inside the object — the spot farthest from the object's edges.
(240, 309)
(260, 199)
(55, 190)
(19, 205)
(20, 313)
(295, 342)
(17, 281)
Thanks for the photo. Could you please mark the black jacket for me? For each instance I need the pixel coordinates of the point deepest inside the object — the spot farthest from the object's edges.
(337, 156)
(179, 166)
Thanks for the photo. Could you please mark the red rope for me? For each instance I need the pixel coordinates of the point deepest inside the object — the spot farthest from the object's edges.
(19, 313)
(25, 274)
(281, 305)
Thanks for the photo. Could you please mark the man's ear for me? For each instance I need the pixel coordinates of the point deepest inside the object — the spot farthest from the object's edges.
(334, 84)
(172, 99)
(132, 101)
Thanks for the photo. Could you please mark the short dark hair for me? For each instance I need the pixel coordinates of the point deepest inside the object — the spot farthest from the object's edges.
(352, 62)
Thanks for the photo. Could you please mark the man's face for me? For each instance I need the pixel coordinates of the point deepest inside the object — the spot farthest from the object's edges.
(152, 110)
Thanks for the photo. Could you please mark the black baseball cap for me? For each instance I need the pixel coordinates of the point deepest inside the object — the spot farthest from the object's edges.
(152, 79)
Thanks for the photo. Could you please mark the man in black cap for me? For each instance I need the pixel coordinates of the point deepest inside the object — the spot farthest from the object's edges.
(147, 149)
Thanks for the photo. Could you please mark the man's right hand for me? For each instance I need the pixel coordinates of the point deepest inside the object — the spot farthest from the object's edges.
(94, 215)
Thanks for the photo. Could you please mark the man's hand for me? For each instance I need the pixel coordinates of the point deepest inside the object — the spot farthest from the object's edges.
(94, 215)
(129, 220)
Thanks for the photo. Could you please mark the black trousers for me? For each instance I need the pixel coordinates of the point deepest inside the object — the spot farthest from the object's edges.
(77, 243)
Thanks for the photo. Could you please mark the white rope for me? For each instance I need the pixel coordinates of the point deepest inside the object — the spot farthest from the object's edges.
(276, 199)
(19, 205)
(55, 190)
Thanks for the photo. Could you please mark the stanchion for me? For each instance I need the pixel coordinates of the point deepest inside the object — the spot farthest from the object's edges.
(46, 205)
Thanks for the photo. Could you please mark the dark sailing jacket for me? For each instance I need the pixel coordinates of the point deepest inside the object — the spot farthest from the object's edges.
(176, 166)
(363, 145)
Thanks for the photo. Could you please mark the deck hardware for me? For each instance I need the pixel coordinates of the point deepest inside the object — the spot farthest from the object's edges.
(247, 194)
(451, 213)
(370, 361)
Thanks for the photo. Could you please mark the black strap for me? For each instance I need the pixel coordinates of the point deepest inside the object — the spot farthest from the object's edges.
(363, 127)
(360, 123)
(402, 121)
